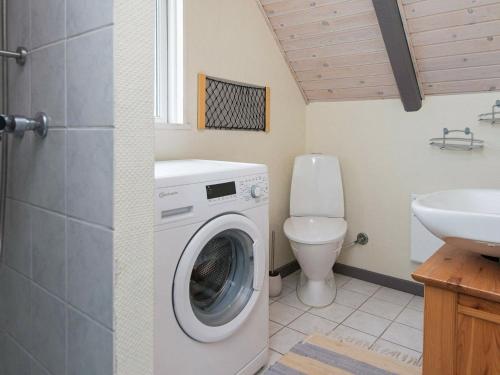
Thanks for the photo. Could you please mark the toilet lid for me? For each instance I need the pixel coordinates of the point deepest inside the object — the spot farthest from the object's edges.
(315, 230)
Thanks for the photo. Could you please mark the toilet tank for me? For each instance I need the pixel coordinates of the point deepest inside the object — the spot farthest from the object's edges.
(317, 187)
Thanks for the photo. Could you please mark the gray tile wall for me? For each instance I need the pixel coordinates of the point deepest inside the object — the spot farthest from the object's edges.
(56, 283)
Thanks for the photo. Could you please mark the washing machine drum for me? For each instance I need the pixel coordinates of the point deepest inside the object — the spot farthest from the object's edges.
(219, 278)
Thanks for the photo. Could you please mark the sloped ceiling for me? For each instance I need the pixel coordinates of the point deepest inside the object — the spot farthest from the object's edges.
(336, 51)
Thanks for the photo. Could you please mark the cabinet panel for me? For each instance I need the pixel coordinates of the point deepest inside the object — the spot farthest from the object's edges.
(478, 346)
(439, 331)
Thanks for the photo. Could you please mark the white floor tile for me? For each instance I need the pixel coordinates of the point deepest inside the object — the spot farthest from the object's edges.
(381, 308)
(286, 290)
(398, 352)
(309, 324)
(352, 299)
(273, 357)
(360, 286)
(274, 327)
(412, 318)
(283, 314)
(371, 324)
(292, 300)
(417, 303)
(335, 312)
(394, 296)
(400, 334)
(340, 279)
(285, 339)
(352, 336)
(291, 280)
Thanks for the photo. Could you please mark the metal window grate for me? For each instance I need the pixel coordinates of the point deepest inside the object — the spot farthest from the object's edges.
(230, 105)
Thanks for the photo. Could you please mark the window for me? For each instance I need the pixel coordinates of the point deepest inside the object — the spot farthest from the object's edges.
(169, 63)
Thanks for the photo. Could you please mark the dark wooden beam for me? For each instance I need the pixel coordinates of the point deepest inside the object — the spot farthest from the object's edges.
(396, 44)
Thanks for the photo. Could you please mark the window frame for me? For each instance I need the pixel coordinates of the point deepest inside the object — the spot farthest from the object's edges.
(169, 105)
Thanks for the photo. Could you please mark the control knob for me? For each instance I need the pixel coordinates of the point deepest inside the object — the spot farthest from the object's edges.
(256, 191)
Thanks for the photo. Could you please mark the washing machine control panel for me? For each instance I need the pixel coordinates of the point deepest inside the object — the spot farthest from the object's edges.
(253, 187)
(248, 188)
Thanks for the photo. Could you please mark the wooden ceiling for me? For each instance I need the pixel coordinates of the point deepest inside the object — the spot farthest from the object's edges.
(336, 51)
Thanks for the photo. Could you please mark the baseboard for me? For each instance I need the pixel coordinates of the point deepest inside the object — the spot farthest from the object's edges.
(362, 274)
(288, 268)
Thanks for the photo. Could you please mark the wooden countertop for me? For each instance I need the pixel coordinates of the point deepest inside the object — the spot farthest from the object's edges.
(461, 271)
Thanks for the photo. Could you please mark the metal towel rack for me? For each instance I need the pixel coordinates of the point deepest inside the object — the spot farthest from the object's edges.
(20, 55)
(492, 117)
(457, 143)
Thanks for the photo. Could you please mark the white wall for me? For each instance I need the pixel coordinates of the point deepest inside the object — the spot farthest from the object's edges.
(230, 39)
(133, 186)
(385, 156)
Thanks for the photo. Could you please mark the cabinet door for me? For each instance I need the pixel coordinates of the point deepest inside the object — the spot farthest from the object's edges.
(478, 339)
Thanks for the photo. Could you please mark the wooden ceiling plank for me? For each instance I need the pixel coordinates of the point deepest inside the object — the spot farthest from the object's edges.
(356, 35)
(354, 93)
(340, 61)
(330, 100)
(278, 44)
(461, 74)
(288, 6)
(405, 2)
(365, 46)
(345, 72)
(459, 61)
(432, 7)
(459, 87)
(324, 12)
(267, 2)
(396, 43)
(458, 48)
(457, 33)
(329, 25)
(350, 82)
(457, 18)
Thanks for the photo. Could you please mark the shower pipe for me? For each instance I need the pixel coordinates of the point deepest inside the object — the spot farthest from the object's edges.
(4, 153)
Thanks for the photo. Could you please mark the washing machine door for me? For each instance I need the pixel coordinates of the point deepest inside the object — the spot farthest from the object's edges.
(219, 278)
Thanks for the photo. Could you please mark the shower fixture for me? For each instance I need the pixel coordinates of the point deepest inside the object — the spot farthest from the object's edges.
(19, 124)
(20, 55)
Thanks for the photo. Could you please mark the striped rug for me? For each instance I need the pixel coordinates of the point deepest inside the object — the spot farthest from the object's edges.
(318, 355)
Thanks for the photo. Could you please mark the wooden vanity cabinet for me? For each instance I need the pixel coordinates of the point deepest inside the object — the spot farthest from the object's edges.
(461, 313)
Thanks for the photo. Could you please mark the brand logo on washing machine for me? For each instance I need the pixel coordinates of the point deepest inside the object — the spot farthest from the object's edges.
(164, 194)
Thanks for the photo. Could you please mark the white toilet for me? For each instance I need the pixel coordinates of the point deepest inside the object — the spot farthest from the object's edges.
(316, 228)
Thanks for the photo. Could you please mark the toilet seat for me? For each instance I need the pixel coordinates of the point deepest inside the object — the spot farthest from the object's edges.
(314, 230)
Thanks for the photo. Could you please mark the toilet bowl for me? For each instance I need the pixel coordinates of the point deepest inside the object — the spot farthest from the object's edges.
(316, 228)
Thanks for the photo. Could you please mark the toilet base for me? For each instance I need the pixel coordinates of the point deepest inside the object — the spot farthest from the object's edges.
(316, 293)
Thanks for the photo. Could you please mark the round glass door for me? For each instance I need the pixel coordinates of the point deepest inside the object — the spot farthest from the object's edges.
(219, 278)
(222, 278)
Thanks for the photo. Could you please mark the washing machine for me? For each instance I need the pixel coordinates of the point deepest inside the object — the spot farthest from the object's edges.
(211, 267)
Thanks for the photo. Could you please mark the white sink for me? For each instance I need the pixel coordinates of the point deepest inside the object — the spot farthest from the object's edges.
(468, 219)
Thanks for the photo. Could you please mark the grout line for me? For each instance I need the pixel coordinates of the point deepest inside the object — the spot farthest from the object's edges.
(87, 128)
(46, 46)
(59, 299)
(90, 32)
(357, 309)
(61, 214)
(394, 321)
(88, 317)
(27, 352)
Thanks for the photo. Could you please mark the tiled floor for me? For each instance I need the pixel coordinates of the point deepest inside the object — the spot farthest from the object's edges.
(365, 314)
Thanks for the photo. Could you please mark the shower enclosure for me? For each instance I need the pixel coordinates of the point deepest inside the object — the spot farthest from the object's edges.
(56, 266)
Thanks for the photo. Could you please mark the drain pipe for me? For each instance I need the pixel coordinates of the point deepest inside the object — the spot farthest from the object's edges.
(3, 135)
(361, 239)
